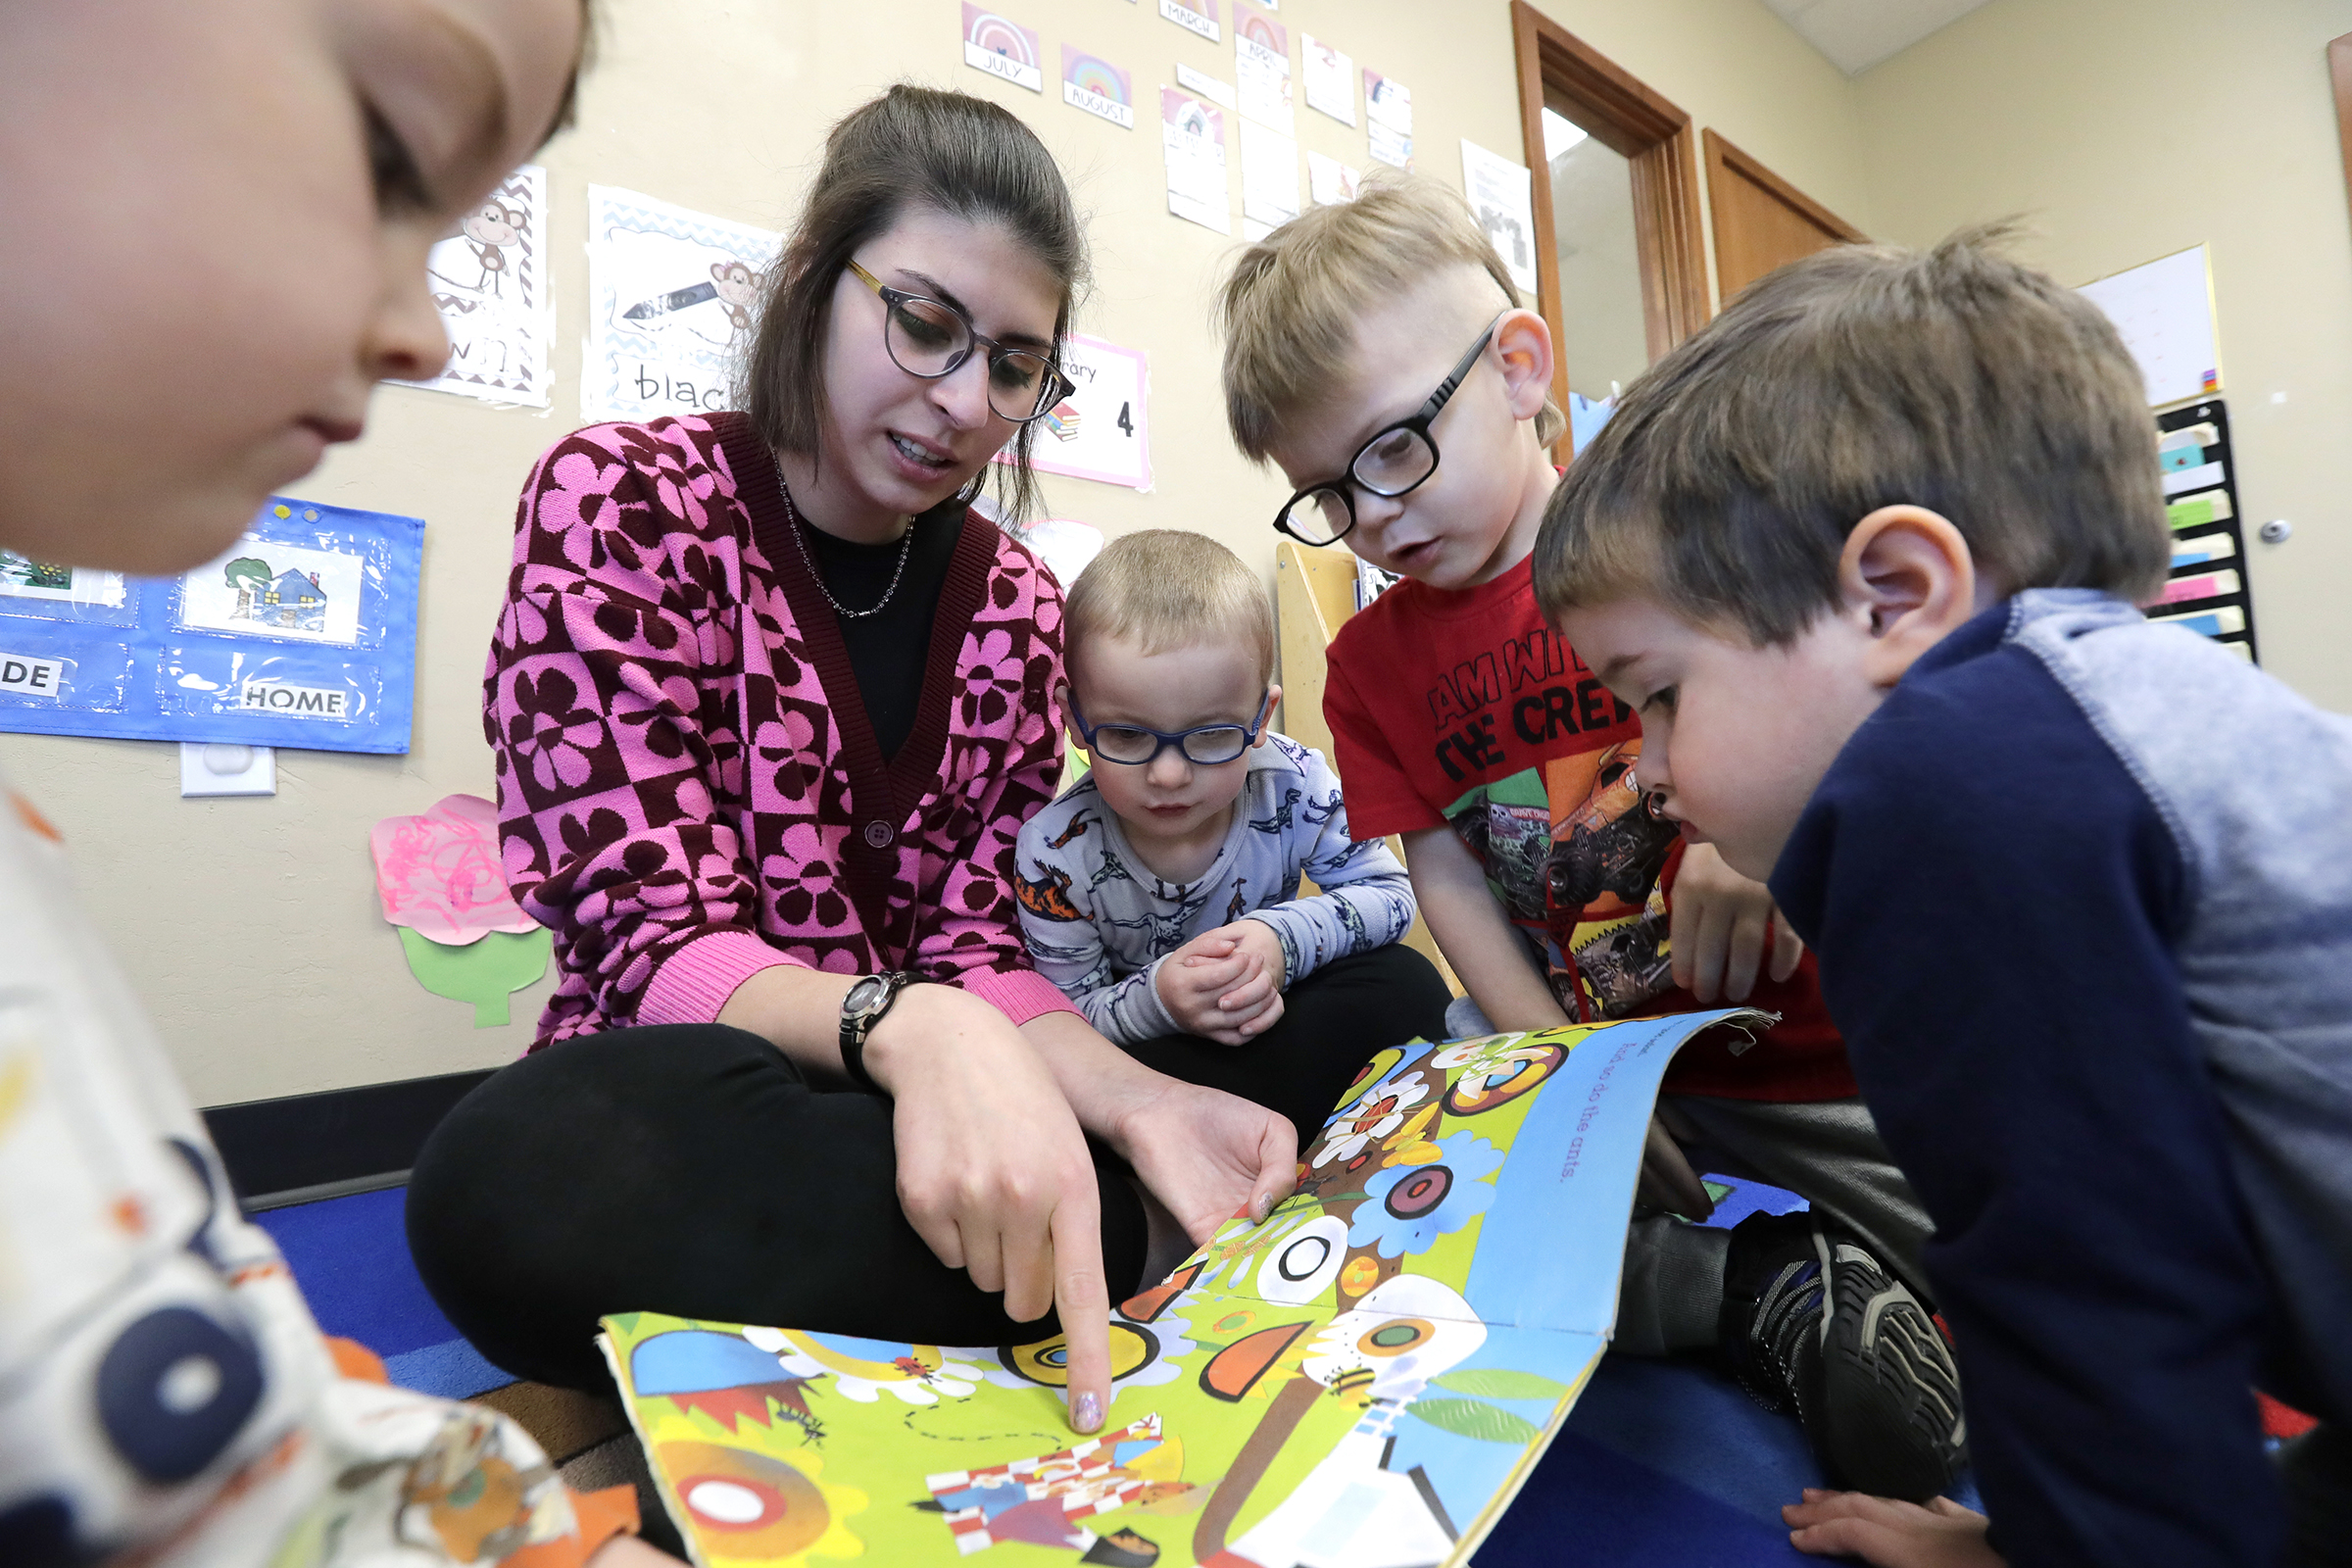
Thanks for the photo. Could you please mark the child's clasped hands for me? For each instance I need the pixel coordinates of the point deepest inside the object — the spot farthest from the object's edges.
(1225, 984)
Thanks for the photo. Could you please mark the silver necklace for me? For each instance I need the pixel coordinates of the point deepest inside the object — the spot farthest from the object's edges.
(792, 515)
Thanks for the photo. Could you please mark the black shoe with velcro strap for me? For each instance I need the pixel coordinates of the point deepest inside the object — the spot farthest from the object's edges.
(1813, 1321)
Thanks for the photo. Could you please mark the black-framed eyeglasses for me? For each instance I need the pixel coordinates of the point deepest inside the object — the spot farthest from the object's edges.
(1205, 745)
(1396, 461)
(932, 338)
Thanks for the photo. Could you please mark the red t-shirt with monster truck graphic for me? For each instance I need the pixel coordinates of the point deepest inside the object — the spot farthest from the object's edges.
(1463, 709)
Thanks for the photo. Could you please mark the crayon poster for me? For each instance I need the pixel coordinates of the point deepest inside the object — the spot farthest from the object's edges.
(671, 295)
(489, 281)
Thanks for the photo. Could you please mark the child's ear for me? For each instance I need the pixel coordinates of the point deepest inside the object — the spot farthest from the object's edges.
(1265, 713)
(1908, 580)
(1523, 340)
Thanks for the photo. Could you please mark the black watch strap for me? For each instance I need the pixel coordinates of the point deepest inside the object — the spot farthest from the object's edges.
(862, 1008)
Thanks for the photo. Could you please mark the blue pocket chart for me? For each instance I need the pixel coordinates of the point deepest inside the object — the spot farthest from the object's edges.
(304, 634)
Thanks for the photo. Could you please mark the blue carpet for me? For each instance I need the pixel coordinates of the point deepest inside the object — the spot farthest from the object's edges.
(352, 1257)
(1662, 1464)
(1595, 1507)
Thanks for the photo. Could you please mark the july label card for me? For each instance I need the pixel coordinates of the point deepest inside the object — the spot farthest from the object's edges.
(1002, 47)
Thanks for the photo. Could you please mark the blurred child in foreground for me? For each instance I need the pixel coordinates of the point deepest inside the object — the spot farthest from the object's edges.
(223, 213)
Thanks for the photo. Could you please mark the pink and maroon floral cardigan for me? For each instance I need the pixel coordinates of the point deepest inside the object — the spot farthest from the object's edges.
(688, 789)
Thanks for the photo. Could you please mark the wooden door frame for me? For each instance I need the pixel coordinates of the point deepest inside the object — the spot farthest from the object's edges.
(1724, 161)
(1622, 115)
(2339, 73)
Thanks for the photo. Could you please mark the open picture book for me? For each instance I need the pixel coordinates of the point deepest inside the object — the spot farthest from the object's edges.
(1362, 1381)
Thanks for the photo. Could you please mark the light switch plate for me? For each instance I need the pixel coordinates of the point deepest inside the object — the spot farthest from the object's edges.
(219, 767)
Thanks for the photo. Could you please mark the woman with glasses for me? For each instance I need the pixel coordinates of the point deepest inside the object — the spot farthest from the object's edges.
(770, 705)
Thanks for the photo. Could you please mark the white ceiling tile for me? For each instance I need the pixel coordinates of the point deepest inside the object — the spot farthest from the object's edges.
(1856, 34)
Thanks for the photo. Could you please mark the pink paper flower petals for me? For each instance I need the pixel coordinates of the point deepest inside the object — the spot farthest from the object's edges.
(439, 874)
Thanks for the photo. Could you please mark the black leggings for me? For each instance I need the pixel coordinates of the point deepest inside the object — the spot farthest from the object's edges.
(694, 1169)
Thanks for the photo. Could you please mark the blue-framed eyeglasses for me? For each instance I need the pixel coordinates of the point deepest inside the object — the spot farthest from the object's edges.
(1205, 745)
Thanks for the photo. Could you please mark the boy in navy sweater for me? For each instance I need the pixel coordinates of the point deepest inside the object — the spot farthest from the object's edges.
(1864, 552)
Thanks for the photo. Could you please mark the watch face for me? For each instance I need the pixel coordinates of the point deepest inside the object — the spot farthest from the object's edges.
(864, 994)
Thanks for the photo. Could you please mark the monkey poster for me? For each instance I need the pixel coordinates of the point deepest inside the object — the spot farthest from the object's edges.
(671, 300)
(489, 279)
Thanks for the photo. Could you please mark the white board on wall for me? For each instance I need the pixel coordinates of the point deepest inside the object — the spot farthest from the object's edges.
(2165, 313)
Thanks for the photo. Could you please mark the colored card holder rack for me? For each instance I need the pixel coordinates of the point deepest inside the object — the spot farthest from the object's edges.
(303, 634)
(2200, 475)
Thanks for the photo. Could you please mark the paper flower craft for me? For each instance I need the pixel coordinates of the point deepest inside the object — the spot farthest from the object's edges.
(439, 874)
(1408, 1207)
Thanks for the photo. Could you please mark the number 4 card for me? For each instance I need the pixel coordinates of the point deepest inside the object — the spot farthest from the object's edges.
(1099, 431)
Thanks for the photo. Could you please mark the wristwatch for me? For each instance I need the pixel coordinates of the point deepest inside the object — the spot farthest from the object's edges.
(862, 1008)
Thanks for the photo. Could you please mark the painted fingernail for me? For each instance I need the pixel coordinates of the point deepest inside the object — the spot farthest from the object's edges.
(1087, 1416)
(1264, 1205)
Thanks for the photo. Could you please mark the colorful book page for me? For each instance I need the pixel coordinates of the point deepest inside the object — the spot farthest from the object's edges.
(1366, 1378)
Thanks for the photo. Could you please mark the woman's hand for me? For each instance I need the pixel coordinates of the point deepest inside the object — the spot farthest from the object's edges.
(994, 1171)
(1209, 1155)
(1721, 926)
(1887, 1533)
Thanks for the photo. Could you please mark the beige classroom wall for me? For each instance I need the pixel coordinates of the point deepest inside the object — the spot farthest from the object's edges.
(250, 926)
(2128, 129)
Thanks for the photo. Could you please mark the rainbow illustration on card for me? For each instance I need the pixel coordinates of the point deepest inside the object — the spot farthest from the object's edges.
(1098, 88)
(1265, 34)
(1002, 47)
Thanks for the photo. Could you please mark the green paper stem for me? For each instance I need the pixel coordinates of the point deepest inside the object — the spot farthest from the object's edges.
(485, 972)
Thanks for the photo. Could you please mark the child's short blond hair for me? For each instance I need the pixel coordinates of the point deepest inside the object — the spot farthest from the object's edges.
(1291, 308)
(1952, 379)
(1165, 588)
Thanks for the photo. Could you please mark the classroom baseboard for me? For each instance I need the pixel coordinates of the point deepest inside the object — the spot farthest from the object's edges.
(342, 1140)
(321, 1191)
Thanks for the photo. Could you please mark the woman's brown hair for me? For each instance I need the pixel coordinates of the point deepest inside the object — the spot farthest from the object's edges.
(912, 147)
